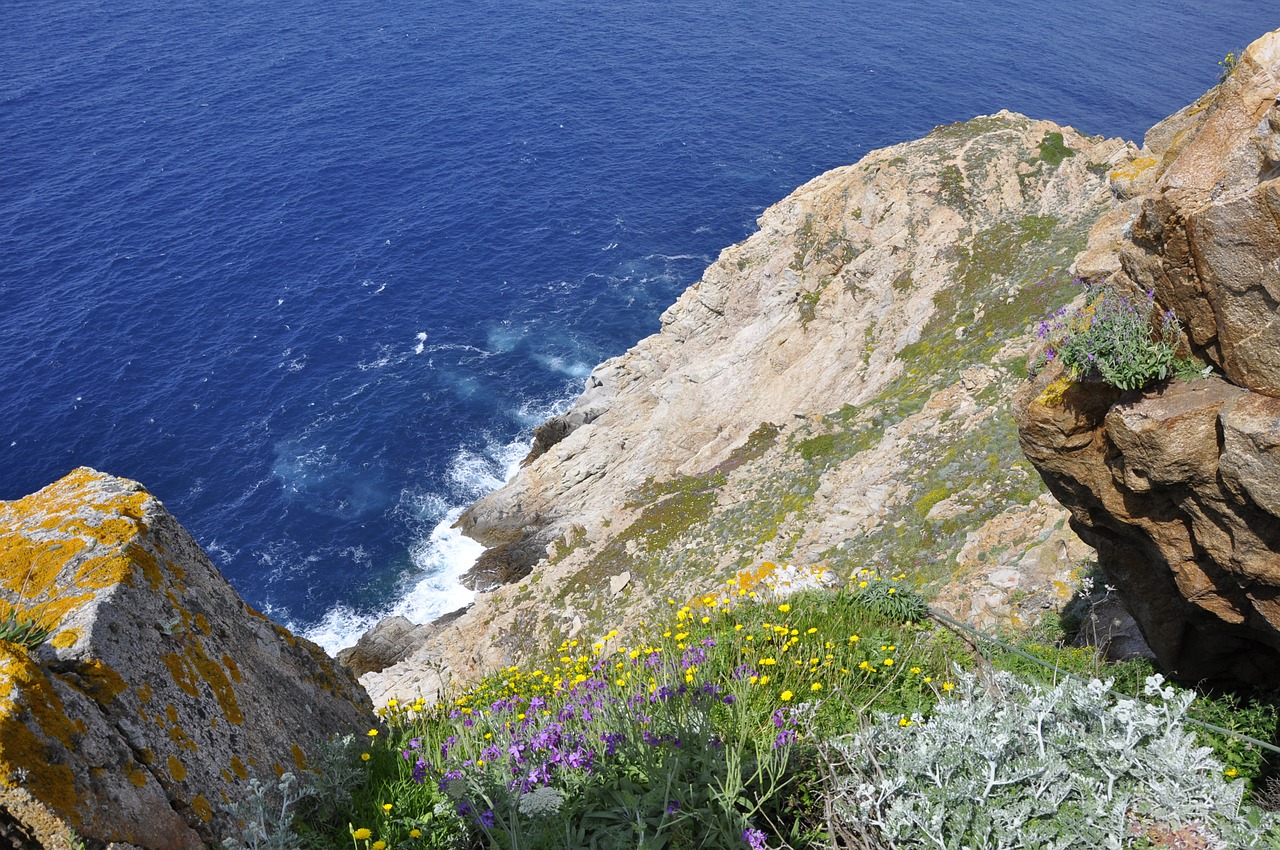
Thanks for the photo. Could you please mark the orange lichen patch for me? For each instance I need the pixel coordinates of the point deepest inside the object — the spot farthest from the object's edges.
(199, 666)
(35, 732)
(181, 674)
(65, 638)
(202, 808)
(1052, 395)
(213, 674)
(278, 768)
(226, 776)
(138, 776)
(299, 757)
(285, 634)
(30, 567)
(230, 664)
(144, 694)
(1131, 170)
(103, 684)
(146, 756)
(238, 768)
(171, 713)
(177, 769)
(147, 563)
(202, 623)
(181, 738)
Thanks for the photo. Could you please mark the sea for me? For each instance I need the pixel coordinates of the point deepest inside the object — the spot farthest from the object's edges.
(312, 272)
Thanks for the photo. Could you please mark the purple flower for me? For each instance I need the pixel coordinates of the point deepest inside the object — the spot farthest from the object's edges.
(784, 738)
(486, 819)
(755, 838)
(611, 741)
(744, 671)
(579, 758)
(673, 807)
(693, 655)
(420, 771)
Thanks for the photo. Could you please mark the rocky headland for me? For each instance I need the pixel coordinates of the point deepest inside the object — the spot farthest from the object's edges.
(847, 388)
(834, 392)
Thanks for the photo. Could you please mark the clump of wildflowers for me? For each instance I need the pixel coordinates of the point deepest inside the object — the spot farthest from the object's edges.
(1114, 338)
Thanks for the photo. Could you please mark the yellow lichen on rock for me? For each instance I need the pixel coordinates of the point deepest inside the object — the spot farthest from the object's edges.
(1132, 169)
(33, 722)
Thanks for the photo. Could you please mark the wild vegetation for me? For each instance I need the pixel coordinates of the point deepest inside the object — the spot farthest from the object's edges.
(783, 712)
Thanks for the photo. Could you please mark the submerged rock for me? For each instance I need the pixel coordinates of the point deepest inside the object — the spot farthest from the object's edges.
(159, 693)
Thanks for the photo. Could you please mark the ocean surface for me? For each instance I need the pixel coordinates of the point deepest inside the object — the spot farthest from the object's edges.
(312, 271)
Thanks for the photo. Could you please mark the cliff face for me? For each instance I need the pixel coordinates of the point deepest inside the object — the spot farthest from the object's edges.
(1177, 487)
(159, 693)
(833, 392)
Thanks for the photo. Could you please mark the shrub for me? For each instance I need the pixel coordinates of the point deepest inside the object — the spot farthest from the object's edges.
(1112, 338)
(1010, 765)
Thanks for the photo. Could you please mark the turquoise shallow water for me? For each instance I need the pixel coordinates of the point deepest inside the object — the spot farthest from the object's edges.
(311, 272)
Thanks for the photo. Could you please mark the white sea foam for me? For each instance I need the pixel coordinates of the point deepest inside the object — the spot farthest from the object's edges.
(440, 558)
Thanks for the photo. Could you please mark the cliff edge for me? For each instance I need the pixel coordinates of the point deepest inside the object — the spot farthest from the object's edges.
(834, 392)
(1178, 486)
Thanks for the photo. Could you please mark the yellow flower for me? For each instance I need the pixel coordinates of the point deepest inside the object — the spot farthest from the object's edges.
(361, 834)
(373, 733)
(888, 662)
(862, 584)
(784, 607)
(737, 627)
(915, 670)
(816, 686)
(386, 807)
(812, 632)
(767, 662)
(706, 620)
(946, 686)
(764, 680)
(364, 757)
(1231, 771)
(904, 722)
(786, 696)
(379, 845)
(415, 833)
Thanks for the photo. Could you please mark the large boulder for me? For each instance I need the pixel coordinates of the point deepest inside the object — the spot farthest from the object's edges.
(159, 693)
(1207, 240)
(1178, 487)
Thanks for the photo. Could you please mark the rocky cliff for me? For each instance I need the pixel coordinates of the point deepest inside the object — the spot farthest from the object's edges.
(158, 693)
(1178, 487)
(833, 392)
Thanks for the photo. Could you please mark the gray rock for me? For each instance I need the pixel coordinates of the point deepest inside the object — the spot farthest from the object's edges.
(160, 692)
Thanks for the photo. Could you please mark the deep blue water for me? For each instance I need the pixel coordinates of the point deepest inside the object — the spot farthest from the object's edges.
(311, 271)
